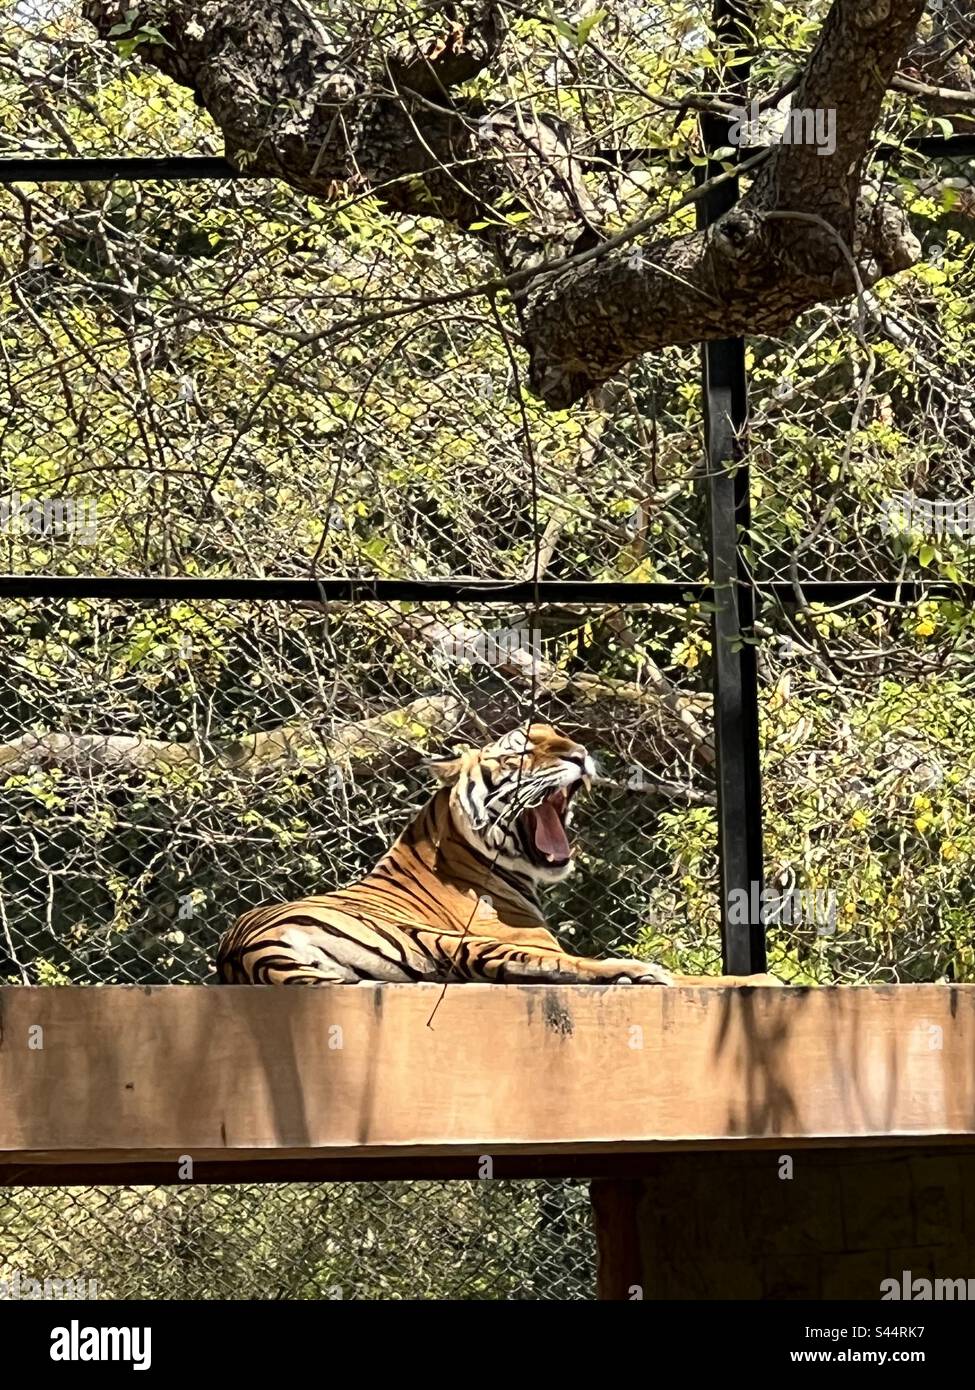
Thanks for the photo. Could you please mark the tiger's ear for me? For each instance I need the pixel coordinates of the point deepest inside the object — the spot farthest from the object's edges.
(447, 765)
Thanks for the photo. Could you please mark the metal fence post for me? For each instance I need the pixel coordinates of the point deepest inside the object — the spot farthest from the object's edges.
(739, 774)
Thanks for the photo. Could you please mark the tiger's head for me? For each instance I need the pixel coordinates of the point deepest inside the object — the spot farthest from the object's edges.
(512, 801)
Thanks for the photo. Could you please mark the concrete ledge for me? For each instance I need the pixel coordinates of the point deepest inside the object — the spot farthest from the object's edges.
(128, 1079)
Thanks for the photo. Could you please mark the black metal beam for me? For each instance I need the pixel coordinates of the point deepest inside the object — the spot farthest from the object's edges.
(737, 748)
(182, 168)
(178, 168)
(45, 1171)
(457, 590)
(144, 589)
(736, 734)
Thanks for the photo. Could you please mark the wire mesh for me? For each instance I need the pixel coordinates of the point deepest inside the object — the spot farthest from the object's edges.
(869, 777)
(168, 765)
(497, 1239)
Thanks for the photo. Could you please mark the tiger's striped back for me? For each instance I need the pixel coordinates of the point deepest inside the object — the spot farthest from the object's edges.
(430, 909)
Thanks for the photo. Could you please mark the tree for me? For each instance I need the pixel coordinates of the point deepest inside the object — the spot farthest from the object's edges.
(377, 102)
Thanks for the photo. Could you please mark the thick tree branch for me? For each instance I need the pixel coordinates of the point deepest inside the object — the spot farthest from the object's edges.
(849, 72)
(432, 69)
(749, 273)
(333, 118)
(364, 745)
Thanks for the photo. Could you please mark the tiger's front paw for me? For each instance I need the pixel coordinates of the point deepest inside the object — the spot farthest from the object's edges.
(641, 972)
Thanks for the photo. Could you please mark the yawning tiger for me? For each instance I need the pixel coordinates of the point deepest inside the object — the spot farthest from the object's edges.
(455, 898)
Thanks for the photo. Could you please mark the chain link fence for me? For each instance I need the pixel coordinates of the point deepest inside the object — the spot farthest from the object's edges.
(228, 378)
(498, 1239)
(169, 765)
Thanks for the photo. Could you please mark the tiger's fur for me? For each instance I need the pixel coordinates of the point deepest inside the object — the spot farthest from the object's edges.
(455, 898)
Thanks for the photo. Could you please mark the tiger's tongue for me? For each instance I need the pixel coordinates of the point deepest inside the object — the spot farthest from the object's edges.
(549, 833)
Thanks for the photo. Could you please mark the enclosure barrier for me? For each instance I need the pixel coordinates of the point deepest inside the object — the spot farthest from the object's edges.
(178, 1083)
(128, 1076)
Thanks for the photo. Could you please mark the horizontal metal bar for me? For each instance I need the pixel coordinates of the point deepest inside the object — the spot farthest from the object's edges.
(30, 1170)
(931, 146)
(169, 167)
(180, 168)
(934, 146)
(457, 590)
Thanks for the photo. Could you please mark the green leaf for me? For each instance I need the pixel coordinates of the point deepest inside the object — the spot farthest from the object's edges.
(139, 648)
(151, 32)
(588, 25)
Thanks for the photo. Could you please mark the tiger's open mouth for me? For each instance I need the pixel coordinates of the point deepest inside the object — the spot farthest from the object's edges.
(542, 829)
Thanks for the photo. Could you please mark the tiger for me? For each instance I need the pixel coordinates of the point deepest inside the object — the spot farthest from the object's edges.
(456, 898)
